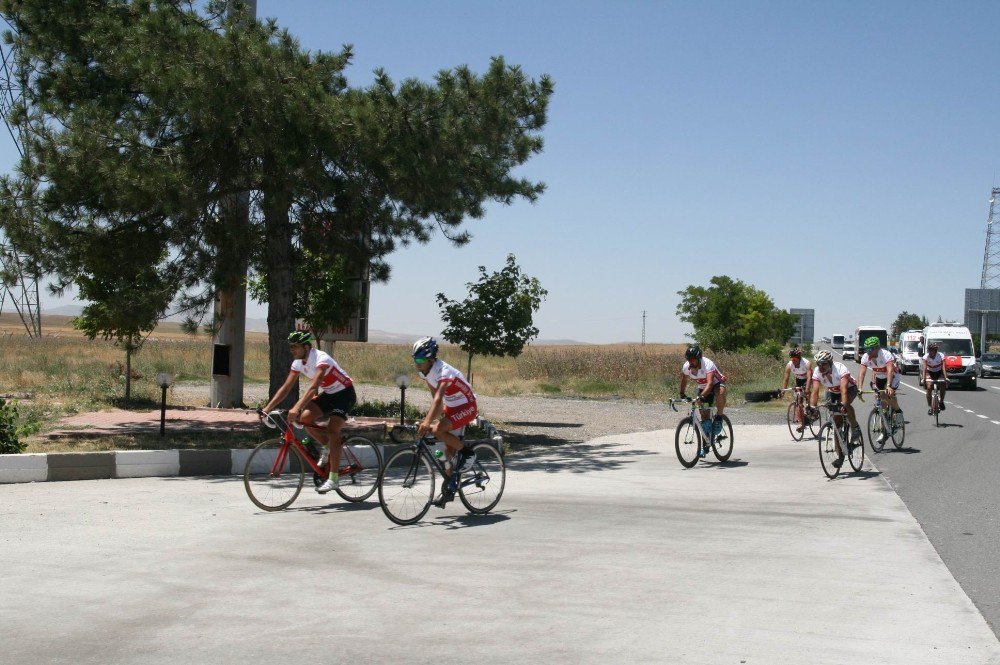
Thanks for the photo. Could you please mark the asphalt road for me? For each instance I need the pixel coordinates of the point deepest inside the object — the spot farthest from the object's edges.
(949, 478)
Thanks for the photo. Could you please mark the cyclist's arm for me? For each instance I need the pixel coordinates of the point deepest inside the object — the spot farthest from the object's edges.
(282, 391)
(890, 371)
(784, 379)
(844, 387)
(809, 376)
(861, 375)
(709, 383)
(923, 371)
(814, 394)
(309, 394)
(684, 382)
(437, 408)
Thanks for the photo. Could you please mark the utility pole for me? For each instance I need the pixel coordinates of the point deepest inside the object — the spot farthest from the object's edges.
(644, 327)
(230, 310)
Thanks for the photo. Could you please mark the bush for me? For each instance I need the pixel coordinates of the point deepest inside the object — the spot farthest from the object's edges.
(767, 350)
(9, 445)
(379, 409)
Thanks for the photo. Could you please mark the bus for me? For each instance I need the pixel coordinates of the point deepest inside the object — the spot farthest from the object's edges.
(838, 342)
(861, 333)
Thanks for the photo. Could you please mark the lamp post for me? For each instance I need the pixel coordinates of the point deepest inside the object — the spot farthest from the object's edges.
(163, 380)
(403, 380)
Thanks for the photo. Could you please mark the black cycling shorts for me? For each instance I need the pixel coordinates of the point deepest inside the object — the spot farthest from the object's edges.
(337, 404)
(852, 392)
(881, 382)
(934, 376)
(708, 401)
(800, 383)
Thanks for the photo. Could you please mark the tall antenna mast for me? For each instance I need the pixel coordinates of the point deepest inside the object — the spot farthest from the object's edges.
(16, 282)
(991, 256)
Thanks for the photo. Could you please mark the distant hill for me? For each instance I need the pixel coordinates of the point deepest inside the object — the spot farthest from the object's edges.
(63, 313)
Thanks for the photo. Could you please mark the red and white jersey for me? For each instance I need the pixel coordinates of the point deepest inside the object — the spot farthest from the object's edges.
(457, 391)
(832, 380)
(334, 378)
(933, 363)
(701, 374)
(879, 364)
(802, 370)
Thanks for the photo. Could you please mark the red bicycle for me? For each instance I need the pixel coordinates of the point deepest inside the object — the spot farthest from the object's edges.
(276, 469)
(798, 420)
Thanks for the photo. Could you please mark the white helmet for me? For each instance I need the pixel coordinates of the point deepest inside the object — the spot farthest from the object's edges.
(823, 356)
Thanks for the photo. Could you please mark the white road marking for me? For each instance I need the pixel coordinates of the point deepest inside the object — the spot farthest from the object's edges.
(995, 422)
(982, 416)
(970, 411)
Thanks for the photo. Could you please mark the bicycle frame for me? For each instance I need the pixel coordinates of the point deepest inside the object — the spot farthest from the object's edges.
(290, 441)
(695, 415)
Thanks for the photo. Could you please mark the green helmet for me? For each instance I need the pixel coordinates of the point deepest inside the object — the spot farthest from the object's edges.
(300, 337)
(872, 342)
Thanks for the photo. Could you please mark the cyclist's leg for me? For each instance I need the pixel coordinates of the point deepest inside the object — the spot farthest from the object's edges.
(720, 400)
(852, 393)
(310, 414)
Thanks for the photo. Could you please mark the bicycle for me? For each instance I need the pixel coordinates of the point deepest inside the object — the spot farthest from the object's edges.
(692, 442)
(935, 400)
(797, 416)
(275, 471)
(406, 484)
(882, 425)
(834, 437)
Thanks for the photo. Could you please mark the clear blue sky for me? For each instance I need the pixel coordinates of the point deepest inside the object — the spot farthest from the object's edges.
(838, 156)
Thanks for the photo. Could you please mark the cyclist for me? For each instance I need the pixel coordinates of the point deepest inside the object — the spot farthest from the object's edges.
(803, 376)
(452, 408)
(886, 375)
(711, 387)
(931, 369)
(330, 393)
(840, 386)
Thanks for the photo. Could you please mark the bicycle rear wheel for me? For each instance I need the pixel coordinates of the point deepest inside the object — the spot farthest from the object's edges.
(876, 431)
(794, 423)
(360, 466)
(898, 432)
(722, 443)
(687, 441)
(269, 487)
(406, 486)
(828, 450)
(936, 405)
(481, 488)
(856, 453)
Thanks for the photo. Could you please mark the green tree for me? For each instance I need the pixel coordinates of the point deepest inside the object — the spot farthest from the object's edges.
(730, 315)
(9, 442)
(242, 108)
(496, 318)
(906, 321)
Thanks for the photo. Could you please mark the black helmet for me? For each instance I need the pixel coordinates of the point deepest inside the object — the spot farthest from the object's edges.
(693, 352)
(795, 353)
(300, 337)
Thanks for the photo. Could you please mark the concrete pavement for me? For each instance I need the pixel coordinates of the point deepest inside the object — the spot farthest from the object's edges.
(604, 552)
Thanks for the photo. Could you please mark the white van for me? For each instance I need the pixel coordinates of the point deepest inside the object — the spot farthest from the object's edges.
(861, 333)
(909, 351)
(954, 340)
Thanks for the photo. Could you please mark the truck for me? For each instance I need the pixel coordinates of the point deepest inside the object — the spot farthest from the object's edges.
(909, 351)
(838, 342)
(861, 333)
(955, 343)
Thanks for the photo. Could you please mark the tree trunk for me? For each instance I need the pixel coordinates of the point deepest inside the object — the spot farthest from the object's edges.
(468, 372)
(278, 261)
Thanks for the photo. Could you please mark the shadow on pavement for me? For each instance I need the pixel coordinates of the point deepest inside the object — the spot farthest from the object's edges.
(576, 458)
(728, 464)
(907, 450)
(524, 423)
(463, 521)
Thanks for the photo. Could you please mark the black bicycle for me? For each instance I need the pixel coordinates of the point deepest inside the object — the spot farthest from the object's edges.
(406, 485)
(883, 424)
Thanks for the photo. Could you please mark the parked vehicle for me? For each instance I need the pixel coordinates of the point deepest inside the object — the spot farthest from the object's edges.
(955, 342)
(909, 351)
(848, 351)
(838, 342)
(989, 365)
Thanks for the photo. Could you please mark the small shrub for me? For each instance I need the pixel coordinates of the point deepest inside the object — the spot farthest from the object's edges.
(379, 409)
(9, 443)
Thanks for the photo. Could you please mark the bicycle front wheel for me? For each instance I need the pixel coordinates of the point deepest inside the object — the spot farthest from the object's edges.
(687, 442)
(360, 466)
(406, 486)
(828, 452)
(274, 475)
(794, 422)
(876, 431)
(481, 488)
(722, 443)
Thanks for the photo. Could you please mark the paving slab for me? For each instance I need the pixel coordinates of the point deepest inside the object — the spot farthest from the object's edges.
(603, 552)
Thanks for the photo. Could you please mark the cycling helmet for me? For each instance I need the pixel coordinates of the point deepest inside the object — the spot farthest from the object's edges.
(425, 347)
(823, 356)
(693, 352)
(300, 337)
(795, 353)
(872, 342)
(933, 346)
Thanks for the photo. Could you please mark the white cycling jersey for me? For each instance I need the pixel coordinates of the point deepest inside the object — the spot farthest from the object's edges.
(335, 378)
(802, 371)
(457, 391)
(832, 380)
(933, 363)
(879, 365)
(701, 374)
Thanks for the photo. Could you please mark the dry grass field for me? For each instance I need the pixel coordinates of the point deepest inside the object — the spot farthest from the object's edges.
(65, 373)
